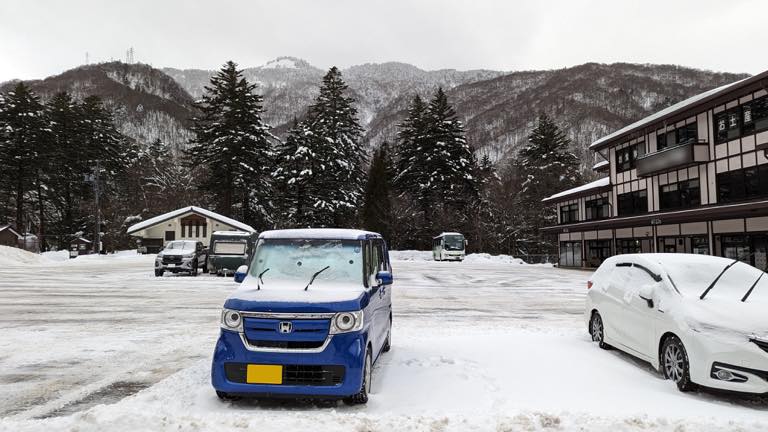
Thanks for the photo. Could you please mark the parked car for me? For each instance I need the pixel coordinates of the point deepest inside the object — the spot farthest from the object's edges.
(312, 316)
(229, 250)
(185, 256)
(699, 319)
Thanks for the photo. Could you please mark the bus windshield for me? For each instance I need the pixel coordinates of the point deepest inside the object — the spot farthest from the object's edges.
(454, 242)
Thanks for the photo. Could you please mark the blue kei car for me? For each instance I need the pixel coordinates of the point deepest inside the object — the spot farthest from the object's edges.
(313, 314)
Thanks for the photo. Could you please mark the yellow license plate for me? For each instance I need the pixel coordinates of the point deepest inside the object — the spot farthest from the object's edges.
(264, 374)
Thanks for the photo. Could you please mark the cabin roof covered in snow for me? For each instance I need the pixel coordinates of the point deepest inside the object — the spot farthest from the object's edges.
(191, 209)
(591, 187)
(319, 233)
(675, 109)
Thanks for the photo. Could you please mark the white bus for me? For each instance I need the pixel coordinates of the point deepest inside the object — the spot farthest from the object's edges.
(448, 246)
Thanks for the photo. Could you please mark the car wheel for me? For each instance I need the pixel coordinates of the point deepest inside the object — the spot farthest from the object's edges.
(675, 365)
(158, 273)
(362, 397)
(388, 343)
(597, 330)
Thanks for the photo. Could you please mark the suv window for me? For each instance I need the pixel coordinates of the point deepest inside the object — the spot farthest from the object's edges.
(375, 260)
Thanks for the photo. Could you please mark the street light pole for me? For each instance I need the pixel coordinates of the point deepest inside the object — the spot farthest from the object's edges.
(96, 190)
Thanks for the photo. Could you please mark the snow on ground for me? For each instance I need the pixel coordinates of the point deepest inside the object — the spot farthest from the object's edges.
(414, 255)
(98, 343)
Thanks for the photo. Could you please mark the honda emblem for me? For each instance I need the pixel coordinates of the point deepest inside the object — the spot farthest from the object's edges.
(286, 327)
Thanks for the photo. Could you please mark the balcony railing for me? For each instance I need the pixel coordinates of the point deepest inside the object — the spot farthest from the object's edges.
(685, 154)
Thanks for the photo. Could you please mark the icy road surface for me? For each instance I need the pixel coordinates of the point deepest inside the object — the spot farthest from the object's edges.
(98, 343)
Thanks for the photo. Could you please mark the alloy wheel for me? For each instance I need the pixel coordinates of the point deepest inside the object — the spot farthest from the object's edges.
(673, 363)
(597, 329)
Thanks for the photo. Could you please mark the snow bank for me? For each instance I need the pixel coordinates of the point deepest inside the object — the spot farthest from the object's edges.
(11, 256)
(475, 258)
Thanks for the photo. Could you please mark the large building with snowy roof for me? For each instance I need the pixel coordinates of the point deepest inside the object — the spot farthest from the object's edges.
(692, 178)
(188, 223)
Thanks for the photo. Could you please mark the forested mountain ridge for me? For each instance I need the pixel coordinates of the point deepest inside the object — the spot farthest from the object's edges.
(497, 108)
(586, 101)
(147, 104)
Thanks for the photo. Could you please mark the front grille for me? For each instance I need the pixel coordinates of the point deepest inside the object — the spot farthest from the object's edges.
(171, 260)
(299, 375)
(285, 344)
(762, 344)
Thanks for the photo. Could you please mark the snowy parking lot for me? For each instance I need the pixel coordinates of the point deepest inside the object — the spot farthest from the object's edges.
(99, 343)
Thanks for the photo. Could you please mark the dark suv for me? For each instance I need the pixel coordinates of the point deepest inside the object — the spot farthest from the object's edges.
(182, 256)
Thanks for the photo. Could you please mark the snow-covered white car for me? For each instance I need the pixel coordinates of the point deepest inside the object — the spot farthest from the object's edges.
(699, 319)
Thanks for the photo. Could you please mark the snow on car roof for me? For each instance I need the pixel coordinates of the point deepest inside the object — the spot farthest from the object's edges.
(318, 233)
(597, 184)
(181, 211)
(691, 274)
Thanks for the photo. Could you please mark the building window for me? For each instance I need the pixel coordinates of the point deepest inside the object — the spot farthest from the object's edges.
(597, 209)
(742, 184)
(743, 120)
(628, 246)
(682, 135)
(633, 203)
(700, 245)
(205, 230)
(197, 229)
(569, 213)
(680, 195)
(570, 254)
(597, 252)
(625, 158)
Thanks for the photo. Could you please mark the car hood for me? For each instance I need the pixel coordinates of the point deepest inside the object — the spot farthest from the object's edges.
(290, 297)
(726, 317)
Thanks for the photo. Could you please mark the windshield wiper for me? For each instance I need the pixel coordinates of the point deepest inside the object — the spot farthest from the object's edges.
(706, 291)
(315, 275)
(746, 296)
(258, 286)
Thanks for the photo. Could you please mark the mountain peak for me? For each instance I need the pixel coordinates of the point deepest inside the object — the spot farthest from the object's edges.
(286, 62)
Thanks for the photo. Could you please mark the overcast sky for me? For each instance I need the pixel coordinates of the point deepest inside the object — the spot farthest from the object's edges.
(41, 38)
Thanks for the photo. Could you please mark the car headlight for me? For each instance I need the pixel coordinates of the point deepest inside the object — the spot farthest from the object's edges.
(231, 320)
(345, 322)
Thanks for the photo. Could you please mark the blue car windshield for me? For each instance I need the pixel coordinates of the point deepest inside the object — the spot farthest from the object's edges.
(299, 259)
(453, 242)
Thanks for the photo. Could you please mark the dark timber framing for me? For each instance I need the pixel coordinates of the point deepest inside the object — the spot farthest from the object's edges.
(728, 218)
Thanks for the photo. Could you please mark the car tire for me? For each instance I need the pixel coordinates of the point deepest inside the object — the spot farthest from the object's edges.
(597, 330)
(362, 397)
(674, 363)
(158, 273)
(388, 343)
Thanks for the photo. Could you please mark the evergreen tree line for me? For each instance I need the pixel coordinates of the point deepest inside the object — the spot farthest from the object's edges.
(426, 181)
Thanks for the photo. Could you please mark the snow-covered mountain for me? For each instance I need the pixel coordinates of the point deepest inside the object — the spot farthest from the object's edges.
(497, 108)
(289, 84)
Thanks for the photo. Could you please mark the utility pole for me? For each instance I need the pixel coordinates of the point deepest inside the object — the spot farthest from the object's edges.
(97, 187)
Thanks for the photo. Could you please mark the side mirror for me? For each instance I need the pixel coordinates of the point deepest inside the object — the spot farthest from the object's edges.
(646, 293)
(384, 278)
(241, 273)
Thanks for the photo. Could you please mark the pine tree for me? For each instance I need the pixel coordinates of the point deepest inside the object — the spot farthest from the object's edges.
(293, 177)
(377, 208)
(546, 166)
(333, 139)
(23, 149)
(234, 144)
(451, 160)
(68, 167)
(410, 148)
